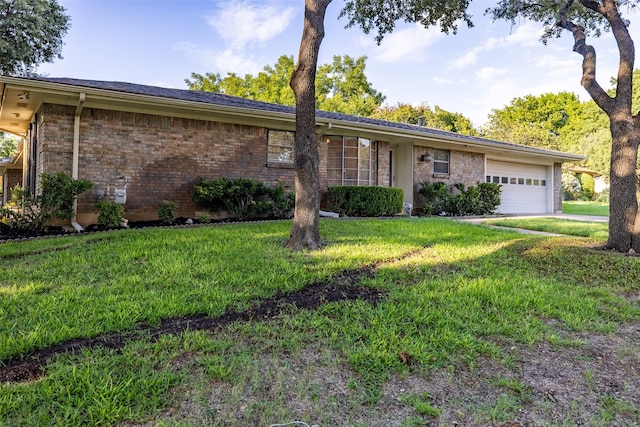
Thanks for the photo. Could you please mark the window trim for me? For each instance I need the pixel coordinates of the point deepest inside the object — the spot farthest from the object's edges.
(275, 162)
(371, 171)
(441, 162)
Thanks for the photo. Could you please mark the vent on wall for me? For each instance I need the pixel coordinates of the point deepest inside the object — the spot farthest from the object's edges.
(22, 105)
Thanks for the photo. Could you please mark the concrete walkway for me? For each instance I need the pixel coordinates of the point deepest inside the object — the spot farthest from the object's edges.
(486, 221)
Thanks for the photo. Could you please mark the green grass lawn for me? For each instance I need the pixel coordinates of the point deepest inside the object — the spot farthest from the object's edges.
(585, 208)
(452, 294)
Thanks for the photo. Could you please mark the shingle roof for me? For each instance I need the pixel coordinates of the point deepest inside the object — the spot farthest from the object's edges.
(233, 101)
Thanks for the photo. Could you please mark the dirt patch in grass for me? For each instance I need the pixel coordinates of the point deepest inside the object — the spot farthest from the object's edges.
(592, 380)
(342, 287)
(595, 381)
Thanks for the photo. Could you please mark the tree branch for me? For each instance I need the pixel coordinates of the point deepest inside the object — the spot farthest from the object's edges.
(626, 49)
(589, 82)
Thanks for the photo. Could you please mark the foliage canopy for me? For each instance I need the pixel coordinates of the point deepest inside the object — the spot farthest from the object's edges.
(341, 85)
(31, 33)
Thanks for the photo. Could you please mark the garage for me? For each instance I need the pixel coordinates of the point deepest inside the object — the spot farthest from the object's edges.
(525, 188)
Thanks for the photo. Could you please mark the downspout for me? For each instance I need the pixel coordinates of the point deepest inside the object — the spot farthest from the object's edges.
(75, 161)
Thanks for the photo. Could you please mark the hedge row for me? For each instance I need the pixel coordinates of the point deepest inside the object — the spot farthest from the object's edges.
(364, 201)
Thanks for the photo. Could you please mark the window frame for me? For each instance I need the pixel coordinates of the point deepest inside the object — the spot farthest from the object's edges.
(353, 159)
(270, 144)
(438, 161)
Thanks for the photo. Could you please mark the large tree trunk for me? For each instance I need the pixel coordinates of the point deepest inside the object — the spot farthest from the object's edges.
(623, 205)
(624, 216)
(305, 231)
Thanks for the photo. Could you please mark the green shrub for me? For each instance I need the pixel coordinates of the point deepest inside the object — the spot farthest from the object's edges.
(109, 213)
(205, 218)
(571, 186)
(361, 201)
(55, 202)
(244, 197)
(211, 193)
(458, 200)
(489, 194)
(602, 197)
(282, 200)
(588, 186)
(435, 195)
(168, 212)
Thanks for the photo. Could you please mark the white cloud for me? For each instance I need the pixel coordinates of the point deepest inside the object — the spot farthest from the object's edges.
(227, 60)
(409, 44)
(526, 35)
(442, 81)
(486, 74)
(466, 59)
(242, 22)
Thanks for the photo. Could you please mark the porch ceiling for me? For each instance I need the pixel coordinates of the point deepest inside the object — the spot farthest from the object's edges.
(17, 109)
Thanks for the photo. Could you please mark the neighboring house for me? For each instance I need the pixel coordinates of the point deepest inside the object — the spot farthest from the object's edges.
(152, 144)
(600, 182)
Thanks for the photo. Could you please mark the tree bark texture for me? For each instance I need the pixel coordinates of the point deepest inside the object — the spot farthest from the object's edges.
(305, 231)
(624, 216)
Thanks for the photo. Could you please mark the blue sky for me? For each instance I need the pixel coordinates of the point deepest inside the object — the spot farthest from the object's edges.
(161, 42)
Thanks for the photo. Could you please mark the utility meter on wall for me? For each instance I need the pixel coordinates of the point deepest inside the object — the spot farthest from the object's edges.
(120, 195)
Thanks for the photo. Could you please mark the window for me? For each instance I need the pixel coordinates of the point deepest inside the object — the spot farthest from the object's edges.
(280, 146)
(351, 161)
(512, 181)
(441, 161)
(504, 180)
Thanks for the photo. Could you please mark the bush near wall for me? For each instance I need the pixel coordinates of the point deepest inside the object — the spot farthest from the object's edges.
(244, 198)
(35, 212)
(109, 213)
(364, 201)
(458, 200)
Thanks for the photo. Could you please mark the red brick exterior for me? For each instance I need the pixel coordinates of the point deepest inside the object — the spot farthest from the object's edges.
(557, 188)
(10, 179)
(465, 167)
(161, 158)
(384, 180)
(157, 157)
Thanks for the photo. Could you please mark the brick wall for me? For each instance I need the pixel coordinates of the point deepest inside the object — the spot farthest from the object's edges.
(158, 158)
(464, 167)
(10, 179)
(557, 188)
(384, 180)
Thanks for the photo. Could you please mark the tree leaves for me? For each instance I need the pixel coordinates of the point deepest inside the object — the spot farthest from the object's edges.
(341, 86)
(382, 15)
(31, 33)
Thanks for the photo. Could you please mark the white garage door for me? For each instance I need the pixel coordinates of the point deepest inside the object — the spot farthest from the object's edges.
(525, 188)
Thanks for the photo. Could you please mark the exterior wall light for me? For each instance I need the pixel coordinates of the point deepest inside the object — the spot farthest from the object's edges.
(427, 157)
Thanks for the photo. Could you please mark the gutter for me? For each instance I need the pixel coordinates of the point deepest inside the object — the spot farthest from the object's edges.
(75, 161)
